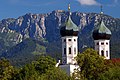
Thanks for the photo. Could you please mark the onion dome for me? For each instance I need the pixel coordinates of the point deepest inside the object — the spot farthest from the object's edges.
(101, 32)
(69, 28)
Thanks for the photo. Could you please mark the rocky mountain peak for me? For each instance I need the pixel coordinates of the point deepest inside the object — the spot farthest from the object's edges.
(46, 26)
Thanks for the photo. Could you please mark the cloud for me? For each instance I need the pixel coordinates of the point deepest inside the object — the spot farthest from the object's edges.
(88, 2)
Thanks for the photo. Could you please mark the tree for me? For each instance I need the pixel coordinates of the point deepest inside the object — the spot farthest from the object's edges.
(91, 65)
(28, 72)
(42, 69)
(44, 63)
(112, 74)
(7, 71)
(55, 74)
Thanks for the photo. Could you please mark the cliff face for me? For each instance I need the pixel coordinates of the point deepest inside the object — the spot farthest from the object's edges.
(46, 27)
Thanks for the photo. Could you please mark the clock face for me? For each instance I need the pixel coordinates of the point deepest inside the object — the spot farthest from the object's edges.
(64, 61)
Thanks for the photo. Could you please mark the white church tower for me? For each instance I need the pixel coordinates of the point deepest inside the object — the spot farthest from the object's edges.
(101, 37)
(69, 34)
(102, 40)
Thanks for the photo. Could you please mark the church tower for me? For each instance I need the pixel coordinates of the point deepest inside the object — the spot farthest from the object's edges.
(69, 34)
(101, 37)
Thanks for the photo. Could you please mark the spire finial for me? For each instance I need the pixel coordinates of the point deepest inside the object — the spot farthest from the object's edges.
(101, 7)
(69, 7)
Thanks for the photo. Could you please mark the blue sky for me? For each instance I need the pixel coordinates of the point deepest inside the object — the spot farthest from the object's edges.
(16, 8)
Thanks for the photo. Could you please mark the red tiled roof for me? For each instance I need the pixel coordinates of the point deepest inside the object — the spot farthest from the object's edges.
(115, 60)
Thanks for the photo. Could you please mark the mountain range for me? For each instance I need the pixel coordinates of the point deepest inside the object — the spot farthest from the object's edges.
(30, 35)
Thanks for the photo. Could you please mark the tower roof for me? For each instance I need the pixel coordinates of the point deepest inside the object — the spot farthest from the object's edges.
(101, 32)
(69, 25)
(103, 29)
(69, 28)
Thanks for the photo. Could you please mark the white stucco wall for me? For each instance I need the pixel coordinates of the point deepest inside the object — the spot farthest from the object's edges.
(69, 58)
(105, 47)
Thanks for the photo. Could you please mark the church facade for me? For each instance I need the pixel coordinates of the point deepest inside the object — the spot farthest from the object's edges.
(69, 35)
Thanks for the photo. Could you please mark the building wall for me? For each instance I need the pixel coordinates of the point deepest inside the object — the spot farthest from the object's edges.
(69, 68)
(103, 48)
(69, 49)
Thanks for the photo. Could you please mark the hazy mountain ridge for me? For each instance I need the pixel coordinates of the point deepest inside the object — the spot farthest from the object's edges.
(46, 27)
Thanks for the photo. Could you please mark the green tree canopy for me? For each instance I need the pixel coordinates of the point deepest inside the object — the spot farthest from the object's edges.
(112, 74)
(7, 71)
(44, 63)
(42, 69)
(91, 65)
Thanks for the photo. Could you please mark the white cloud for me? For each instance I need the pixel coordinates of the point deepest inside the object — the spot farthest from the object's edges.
(88, 2)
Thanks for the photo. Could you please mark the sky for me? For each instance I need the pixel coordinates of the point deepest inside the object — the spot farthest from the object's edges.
(16, 8)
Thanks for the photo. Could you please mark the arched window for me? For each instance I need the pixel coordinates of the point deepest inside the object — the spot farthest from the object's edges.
(102, 53)
(106, 53)
(106, 43)
(74, 50)
(69, 50)
(102, 43)
(74, 39)
(69, 40)
(65, 51)
(97, 43)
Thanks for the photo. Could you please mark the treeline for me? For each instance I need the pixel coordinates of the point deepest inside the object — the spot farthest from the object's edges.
(92, 67)
(95, 67)
(41, 69)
